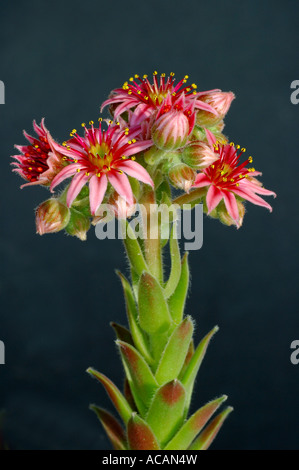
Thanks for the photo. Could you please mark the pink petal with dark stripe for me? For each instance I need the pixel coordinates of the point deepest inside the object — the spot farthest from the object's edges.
(211, 138)
(231, 205)
(67, 172)
(214, 196)
(201, 181)
(138, 147)
(254, 198)
(97, 189)
(76, 185)
(121, 185)
(137, 171)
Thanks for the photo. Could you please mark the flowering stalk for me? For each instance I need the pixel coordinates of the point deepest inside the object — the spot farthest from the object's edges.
(163, 134)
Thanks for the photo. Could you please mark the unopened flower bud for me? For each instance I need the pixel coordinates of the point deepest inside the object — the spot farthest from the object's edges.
(220, 101)
(182, 176)
(78, 225)
(171, 130)
(199, 155)
(51, 216)
(226, 219)
(120, 207)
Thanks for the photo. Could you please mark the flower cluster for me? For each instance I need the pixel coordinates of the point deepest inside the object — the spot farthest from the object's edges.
(162, 130)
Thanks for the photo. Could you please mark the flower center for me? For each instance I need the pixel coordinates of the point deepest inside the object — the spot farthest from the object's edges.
(100, 155)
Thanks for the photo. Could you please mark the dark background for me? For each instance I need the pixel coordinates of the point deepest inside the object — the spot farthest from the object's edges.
(59, 60)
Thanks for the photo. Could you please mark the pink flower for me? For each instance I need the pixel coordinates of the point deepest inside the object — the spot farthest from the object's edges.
(227, 178)
(147, 97)
(101, 157)
(38, 163)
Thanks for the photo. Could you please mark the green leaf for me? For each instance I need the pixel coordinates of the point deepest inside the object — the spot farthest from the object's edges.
(174, 355)
(175, 273)
(190, 374)
(188, 358)
(154, 316)
(178, 299)
(140, 435)
(194, 425)
(118, 400)
(122, 333)
(134, 251)
(138, 336)
(112, 427)
(143, 381)
(206, 438)
(129, 396)
(165, 414)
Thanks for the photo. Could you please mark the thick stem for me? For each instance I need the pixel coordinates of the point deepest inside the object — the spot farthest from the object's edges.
(152, 242)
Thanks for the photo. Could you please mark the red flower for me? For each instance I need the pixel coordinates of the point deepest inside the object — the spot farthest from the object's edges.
(227, 178)
(38, 162)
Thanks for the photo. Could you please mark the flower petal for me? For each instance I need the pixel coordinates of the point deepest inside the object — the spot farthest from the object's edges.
(97, 189)
(252, 197)
(231, 205)
(136, 170)
(75, 187)
(121, 185)
(214, 196)
(201, 180)
(138, 147)
(67, 172)
(205, 107)
(211, 138)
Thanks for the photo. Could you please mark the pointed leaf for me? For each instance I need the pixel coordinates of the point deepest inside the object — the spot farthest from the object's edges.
(178, 299)
(122, 333)
(129, 396)
(154, 316)
(190, 375)
(175, 353)
(140, 435)
(188, 358)
(112, 427)
(165, 414)
(134, 251)
(144, 383)
(114, 394)
(175, 273)
(206, 438)
(132, 314)
(194, 425)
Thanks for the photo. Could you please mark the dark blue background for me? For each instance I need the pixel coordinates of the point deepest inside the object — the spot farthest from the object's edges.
(59, 60)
